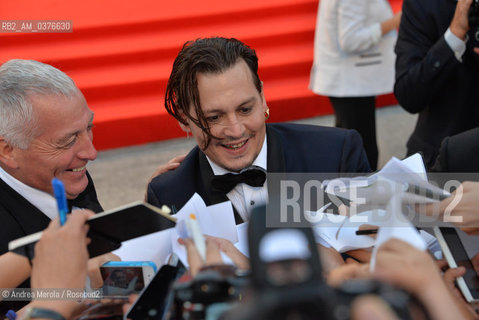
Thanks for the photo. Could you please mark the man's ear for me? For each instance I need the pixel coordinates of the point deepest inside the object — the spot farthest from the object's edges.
(7, 154)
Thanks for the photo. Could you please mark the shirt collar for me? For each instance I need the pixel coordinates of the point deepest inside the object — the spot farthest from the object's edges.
(260, 161)
(45, 202)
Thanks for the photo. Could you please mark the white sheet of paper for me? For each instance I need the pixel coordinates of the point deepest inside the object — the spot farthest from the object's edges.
(241, 245)
(220, 222)
(409, 171)
(399, 227)
(415, 164)
(347, 239)
(215, 220)
(154, 247)
(393, 178)
(195, 205)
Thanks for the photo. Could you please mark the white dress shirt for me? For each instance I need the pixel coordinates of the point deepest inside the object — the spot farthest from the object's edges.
(245, 197)
(457, 45)
(45, 202)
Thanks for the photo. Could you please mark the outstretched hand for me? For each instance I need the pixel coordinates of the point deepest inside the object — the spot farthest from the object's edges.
(213, 256)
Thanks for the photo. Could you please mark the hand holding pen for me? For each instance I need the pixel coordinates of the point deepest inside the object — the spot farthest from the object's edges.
(60, 196)
(194, 232)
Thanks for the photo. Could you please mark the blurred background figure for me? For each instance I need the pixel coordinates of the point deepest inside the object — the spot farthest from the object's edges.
(354, 62)
(436, 74)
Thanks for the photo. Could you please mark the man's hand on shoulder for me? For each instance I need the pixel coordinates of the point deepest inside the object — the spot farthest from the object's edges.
(169, 166)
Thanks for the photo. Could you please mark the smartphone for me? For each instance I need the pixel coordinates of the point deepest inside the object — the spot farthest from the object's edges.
(155, 299)
(456, 255)
(120, 278)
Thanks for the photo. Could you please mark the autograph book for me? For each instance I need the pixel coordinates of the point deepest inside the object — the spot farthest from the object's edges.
(108, 229)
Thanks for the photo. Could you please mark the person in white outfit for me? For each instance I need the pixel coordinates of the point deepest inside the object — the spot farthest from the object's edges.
(354, 62)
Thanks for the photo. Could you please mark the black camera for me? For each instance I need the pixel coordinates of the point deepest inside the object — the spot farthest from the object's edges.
(216, 285)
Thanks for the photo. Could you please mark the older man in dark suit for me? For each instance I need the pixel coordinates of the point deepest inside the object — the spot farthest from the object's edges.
(215, 93)
(45, 132)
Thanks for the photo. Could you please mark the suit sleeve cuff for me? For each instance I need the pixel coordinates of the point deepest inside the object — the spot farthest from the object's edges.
(457, 45)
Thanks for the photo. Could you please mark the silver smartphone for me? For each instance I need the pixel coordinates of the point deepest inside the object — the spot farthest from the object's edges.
(456, 255)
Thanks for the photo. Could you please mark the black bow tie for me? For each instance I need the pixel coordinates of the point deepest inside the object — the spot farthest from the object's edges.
(251, 176)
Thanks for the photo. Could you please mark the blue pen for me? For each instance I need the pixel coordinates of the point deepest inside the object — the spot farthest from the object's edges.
(60, 196)
(11, 315)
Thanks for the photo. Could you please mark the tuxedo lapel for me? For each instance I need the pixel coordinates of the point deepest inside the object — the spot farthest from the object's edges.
(275, 155)
(211, 196)
(276, 163)
(29, 218)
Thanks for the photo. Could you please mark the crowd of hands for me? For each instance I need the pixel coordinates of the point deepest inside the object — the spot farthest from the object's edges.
(61, 261)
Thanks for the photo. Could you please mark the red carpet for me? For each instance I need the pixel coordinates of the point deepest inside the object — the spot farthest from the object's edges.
(120, 55)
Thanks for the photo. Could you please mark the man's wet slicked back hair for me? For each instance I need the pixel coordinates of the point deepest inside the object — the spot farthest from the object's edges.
(19, 80)
(203, 56)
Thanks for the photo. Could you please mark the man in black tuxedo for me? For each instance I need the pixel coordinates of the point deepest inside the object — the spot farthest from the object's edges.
(215, 93)
(45, 132)
(437, 71)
